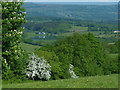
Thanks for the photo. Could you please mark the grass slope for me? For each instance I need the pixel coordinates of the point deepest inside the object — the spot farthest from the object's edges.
(29, 48)
(104, 81)
(113, 56)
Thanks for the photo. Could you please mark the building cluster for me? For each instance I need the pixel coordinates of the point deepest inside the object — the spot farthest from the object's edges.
(42, 33)
(116, 31)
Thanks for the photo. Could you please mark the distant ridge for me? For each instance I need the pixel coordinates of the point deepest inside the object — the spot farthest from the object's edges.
(78, 3)
(104, 12)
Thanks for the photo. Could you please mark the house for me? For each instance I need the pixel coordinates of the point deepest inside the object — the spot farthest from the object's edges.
(43, 36)
(116, 31)
(42, 33)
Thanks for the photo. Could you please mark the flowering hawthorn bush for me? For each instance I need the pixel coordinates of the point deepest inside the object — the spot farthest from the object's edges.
(13, 16)
(38, 68)
(72, 73)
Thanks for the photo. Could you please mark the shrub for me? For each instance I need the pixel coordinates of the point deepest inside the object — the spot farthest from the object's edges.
(38, 68)
(111, 65)
(53, 60)
(72, 73)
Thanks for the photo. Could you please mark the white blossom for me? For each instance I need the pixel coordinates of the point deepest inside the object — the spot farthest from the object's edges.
(15, 30)
(72, 73)
(15, 7)
(22, 18)
(38, 68)
(24, 12)
(9, 67)
(17, 56)
(9, 34)
(5, 8)
(6, 51)
(14, 12)
(5, 61)
(15, 50)
(20, 32)
(14, 17)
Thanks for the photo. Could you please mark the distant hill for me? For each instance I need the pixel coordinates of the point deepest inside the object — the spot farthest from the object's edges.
(79, 3)
(93, 11)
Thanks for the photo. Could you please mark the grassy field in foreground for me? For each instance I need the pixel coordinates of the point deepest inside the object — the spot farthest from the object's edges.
(104, 81)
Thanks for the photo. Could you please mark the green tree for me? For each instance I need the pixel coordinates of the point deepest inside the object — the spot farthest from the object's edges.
(84, 52)
(53, 60)
(14, 58)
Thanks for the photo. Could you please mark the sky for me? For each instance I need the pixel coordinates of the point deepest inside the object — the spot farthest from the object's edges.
(72, 0)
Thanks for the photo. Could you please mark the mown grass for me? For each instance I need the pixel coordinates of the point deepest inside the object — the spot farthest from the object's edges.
(104, 81)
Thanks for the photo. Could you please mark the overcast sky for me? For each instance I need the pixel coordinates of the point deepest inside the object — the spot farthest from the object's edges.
(72, 0)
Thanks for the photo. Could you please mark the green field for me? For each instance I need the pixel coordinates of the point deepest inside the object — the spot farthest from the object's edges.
(29, 48)
(33, 36)
(78, 28)
(84, 30)
(113, 56)
(104, 81)
(96, 33)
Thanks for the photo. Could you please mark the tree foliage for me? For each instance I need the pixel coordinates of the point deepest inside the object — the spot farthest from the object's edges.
(14, 58)
(84, 52)
(72, 73)
(53, 60)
